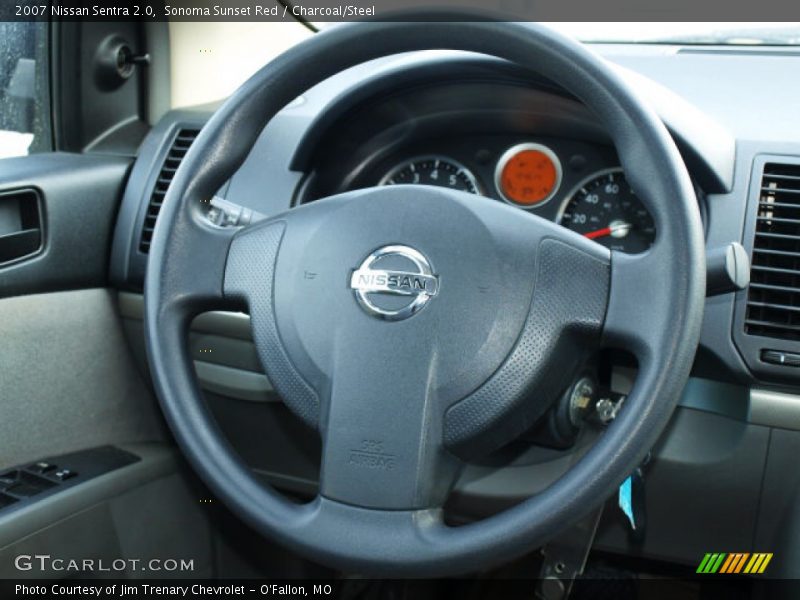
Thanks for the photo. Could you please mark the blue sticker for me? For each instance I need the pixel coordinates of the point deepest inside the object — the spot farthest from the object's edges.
(624, 500)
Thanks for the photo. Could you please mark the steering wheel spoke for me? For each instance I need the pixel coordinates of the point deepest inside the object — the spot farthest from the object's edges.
(364, 532)
(560, 331)
(191, 281)
(639, 284)
(382, 434)
(250, 281)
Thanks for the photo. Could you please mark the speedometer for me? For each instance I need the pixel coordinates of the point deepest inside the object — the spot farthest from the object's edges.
(433, 170)
(605, 209)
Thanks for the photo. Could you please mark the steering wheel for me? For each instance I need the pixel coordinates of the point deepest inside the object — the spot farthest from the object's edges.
(417, 327)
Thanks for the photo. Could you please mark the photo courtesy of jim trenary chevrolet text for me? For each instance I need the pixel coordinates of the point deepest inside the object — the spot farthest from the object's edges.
(400, 299)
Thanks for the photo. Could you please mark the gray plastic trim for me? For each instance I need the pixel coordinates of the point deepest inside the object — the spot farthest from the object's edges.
(234, 383)
(241, 384)
(225, 323)
(775, 409)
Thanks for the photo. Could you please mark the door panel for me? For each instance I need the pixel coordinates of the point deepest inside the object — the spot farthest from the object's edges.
(79, 197)
(67, 379)
(68, 382)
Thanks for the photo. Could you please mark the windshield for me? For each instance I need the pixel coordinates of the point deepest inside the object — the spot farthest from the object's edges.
(761, 33)
(685, 33)
(232, 52)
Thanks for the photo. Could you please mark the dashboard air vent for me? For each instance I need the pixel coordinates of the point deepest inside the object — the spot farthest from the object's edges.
(773, 298)
(177, 151)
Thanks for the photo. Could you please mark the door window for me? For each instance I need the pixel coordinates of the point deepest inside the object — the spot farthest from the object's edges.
(24, 90)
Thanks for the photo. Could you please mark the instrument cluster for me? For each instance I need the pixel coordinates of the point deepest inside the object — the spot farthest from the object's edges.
(576, 184)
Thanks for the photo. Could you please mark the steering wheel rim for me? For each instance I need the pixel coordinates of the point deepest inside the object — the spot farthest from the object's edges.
(653, 306)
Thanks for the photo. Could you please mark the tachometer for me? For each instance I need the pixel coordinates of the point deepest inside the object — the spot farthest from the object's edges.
(605, 209)
(433, 170)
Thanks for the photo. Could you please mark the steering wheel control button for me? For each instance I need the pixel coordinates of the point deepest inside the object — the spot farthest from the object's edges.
(223, 213)
(394, 282)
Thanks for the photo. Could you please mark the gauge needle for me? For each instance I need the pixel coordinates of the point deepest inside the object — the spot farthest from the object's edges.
(598, 233)
(615, 229)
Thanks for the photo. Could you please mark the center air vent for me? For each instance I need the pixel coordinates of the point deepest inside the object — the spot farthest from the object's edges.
(773, 300)
(177, 151)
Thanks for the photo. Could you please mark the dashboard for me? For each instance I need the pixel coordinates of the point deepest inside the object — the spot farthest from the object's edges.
(483, 127)
(389, 122)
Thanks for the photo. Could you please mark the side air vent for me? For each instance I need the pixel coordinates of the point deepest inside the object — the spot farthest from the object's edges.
(177, 151)
(773, 300)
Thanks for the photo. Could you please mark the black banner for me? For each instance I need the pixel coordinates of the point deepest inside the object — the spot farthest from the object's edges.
(414, 10)
(611, 588)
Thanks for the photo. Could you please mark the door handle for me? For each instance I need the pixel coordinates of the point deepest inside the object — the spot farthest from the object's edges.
(20, 225)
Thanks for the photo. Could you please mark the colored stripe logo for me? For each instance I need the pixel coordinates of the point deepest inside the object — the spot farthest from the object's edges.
(734, 562)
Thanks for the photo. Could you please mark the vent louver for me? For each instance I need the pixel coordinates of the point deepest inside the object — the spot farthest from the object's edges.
(177, 151)
(773, 298)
